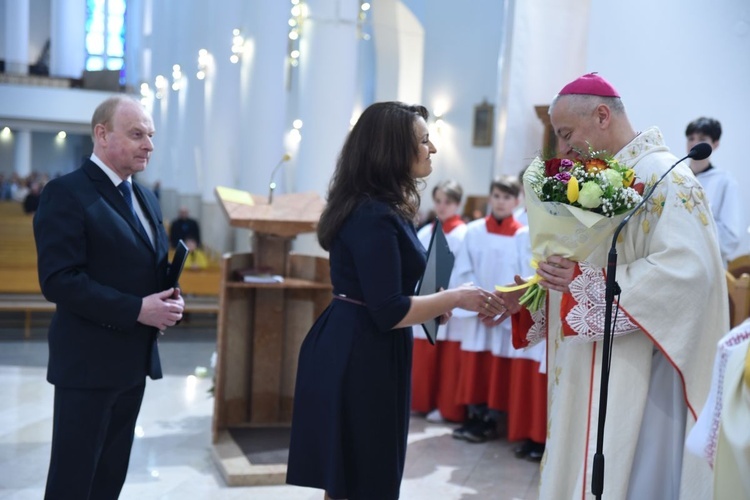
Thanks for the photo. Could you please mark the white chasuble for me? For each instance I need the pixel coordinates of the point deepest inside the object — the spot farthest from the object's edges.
(672, 311)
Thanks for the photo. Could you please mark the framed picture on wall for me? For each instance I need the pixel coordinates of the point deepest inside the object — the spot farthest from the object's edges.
(484, 118)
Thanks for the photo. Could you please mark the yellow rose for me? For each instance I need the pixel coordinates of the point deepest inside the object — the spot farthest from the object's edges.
(572, 190)
(628, 177)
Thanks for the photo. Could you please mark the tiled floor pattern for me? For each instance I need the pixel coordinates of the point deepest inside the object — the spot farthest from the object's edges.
(172, 452)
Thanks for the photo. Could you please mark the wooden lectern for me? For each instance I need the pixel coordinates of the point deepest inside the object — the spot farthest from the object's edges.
(261, 325)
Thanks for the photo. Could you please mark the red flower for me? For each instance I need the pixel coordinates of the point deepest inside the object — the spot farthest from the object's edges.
(639, 187)
(552, 167)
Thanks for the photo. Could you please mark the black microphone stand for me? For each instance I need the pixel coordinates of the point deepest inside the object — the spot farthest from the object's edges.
(700, 152)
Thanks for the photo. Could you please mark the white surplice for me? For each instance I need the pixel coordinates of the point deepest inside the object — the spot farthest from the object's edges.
(725, 199)
(673, 310)
(487, 259)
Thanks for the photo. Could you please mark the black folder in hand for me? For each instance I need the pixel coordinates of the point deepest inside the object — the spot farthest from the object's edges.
(437, 274)
(178, 262)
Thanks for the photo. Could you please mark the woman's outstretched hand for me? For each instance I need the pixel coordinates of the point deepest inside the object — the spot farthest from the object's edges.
(473, 298)
(509, 301)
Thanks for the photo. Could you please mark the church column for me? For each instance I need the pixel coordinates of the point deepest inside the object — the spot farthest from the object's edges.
(328, 53)
(186, 108)
(17, 37)
(22, 152)
(156, 64)
(399, 39)
(263, 95)
(220, 160)
(328, 50)
(67, 38)
(134, 35)
(173, 37)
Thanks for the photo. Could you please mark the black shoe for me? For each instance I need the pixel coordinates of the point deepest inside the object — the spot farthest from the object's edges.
(483, 431)
(523, 450)
(460, 432)
(536, 453)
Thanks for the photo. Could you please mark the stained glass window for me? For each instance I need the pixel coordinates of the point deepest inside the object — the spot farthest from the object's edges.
(105, 35)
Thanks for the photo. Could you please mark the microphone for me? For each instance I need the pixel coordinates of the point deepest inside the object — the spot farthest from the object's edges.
(271, 183)
(698, 152)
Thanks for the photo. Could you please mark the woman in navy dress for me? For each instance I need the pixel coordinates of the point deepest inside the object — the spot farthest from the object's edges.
(351, 403)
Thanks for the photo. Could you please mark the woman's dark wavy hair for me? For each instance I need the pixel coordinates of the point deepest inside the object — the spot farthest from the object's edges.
(375, 163)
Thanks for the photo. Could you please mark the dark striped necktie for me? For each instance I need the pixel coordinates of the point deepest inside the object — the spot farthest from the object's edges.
(127, 193)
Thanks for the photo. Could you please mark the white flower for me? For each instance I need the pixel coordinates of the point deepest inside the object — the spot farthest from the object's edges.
(590, 195)
(613, 177)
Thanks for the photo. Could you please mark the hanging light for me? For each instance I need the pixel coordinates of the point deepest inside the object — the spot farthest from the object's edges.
(161, 84)
(176, 77)
(238, 44)
(298, 13)
(202, 64)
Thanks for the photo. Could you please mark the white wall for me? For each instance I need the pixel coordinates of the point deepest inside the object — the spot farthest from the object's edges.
(48, 155)
(43, 105)
(462, 42)
(675, 60)
(53, 157)
(2, 23)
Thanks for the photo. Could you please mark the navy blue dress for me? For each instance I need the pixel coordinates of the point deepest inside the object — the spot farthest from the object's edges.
(351, 401)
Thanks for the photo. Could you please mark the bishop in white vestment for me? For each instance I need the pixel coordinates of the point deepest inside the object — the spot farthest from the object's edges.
(672, 311)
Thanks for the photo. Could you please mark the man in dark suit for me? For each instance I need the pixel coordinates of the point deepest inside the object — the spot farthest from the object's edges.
(102, 256)
(184, 228)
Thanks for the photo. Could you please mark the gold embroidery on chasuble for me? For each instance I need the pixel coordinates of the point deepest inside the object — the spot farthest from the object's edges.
(691, 197)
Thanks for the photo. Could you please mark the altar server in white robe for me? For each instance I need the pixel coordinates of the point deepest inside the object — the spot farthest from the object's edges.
(721, 188)
(495, 249)
(435, 368)
(672, 311)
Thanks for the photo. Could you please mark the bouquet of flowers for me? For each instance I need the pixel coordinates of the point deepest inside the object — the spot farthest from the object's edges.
(573, 206)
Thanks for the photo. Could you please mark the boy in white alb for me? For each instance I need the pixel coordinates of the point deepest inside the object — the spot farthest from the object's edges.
(721, 188)
(435, 368)
(494, 250)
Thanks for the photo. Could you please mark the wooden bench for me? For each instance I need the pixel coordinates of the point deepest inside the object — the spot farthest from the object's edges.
(739, 298)
(31, 303)
(18, 273)
(26, 303)
(19, 281)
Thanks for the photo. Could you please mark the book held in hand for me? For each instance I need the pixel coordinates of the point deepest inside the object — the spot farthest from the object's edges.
(437, 274)
(178, 263)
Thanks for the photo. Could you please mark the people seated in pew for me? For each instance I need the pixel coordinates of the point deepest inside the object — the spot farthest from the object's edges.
(184, 227)
(197, 258)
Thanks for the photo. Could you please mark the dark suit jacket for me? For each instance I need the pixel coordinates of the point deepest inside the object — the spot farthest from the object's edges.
(182, 229)
(96, 266)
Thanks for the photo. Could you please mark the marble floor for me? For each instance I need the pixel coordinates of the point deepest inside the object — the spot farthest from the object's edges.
(171, 456)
